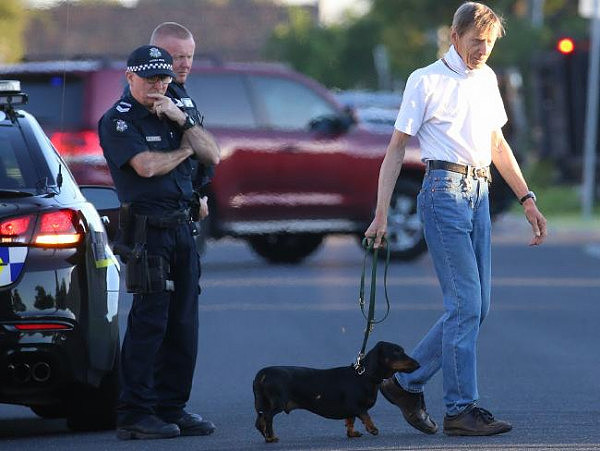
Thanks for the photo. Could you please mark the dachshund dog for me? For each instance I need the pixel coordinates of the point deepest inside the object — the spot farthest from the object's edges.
(336, 393)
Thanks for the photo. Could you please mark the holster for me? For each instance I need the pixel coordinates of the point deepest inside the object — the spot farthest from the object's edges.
(144, 273)
(195, 207)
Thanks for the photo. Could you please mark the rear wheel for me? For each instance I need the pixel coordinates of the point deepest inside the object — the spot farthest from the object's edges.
(404, 230)
(94, 408)
(285, 247)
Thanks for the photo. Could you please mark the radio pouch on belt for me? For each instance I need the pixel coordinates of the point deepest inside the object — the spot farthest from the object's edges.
(146, 273)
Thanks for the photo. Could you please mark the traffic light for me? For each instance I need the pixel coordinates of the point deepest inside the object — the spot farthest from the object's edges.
(565, 46)
(561, 94)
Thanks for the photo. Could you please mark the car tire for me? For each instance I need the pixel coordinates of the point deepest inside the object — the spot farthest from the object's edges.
(404, 229)
(285, 247)
(51, 411)
(94, 408)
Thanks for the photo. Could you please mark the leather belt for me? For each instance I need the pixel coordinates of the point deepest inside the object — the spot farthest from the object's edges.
(170, 220)
(481, 172)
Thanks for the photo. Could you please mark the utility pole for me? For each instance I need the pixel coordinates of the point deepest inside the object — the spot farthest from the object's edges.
(591, 9)
(537, 13)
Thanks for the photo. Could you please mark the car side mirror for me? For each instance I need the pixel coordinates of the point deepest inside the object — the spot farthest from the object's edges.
(331, 125)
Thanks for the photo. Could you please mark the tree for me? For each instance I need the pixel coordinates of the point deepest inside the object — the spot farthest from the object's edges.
(12, 24)
(342, 56)
(309, 48)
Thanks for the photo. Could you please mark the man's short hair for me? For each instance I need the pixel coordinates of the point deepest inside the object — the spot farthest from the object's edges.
(478, 16)
(170, 29)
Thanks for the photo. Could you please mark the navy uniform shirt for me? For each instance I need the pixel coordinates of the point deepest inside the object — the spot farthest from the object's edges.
(129, 128)
(176, 91)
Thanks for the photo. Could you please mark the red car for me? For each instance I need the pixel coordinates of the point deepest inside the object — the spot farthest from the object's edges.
(295, 165)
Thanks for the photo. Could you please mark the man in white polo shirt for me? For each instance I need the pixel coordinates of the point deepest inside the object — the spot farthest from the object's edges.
(454, 107)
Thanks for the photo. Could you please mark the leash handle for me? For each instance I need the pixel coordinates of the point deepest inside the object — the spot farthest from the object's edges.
(370, 316)
(370, 249)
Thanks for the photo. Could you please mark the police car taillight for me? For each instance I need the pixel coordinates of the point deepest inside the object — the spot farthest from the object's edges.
(53, 229)
(59, 228)
(10, 93)
(17, 230)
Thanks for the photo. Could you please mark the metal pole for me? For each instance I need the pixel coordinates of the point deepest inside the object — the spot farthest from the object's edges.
(591, 117)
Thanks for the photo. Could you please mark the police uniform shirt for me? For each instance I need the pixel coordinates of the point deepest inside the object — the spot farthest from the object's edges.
(129, 128)
(453, 110)
(177, 92)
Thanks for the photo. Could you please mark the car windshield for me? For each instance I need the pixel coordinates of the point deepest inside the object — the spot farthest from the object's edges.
(20, 169)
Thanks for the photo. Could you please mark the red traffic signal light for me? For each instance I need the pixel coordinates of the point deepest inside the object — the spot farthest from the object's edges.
(565, 46)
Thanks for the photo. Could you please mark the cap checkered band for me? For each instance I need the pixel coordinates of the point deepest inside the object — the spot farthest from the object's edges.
(150, 66)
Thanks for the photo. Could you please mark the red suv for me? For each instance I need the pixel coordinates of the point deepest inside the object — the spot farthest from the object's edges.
(295, 165)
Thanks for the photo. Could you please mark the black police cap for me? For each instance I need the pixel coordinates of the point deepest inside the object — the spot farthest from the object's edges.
(150, 60)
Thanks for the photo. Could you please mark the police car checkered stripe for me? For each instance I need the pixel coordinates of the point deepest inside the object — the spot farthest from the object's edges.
(12, 260)
(150, 67)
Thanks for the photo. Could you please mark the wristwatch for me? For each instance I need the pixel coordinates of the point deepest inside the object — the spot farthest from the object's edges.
(189, 123)
(529, 195)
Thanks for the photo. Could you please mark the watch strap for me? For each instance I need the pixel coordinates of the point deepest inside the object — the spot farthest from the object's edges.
(189, 123)
(529, 195)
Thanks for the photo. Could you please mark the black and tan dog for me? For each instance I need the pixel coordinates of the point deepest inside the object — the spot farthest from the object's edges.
(336, 393)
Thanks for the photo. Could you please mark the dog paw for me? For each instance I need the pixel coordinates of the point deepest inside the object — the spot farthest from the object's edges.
(374, 431)
(272, 439)
(353, 434)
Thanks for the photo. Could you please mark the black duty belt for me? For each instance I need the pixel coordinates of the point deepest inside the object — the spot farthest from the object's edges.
(478, 172)
(170, 219)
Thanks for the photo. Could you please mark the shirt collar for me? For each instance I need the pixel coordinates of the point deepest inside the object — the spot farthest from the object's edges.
(137, 109)
(456, 63)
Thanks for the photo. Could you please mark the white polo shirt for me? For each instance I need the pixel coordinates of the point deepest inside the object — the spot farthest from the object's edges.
(452, 111)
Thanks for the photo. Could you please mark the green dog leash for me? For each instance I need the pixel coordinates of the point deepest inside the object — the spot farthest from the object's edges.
(372, 251)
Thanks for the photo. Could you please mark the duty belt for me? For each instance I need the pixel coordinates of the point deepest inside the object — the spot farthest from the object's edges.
(477, 172)
(170, 220)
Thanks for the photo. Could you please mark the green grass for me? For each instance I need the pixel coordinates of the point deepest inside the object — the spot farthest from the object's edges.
(557, 201)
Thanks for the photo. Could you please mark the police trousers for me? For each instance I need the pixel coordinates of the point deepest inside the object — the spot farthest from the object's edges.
(159, 349)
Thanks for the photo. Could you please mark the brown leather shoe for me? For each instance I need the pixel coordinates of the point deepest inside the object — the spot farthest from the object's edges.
(474, 421)
(412, 405)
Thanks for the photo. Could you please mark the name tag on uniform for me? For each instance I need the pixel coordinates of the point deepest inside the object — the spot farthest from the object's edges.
(153, 139)
(187, 102)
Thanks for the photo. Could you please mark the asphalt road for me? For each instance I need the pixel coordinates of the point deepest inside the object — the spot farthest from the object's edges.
(539, 364)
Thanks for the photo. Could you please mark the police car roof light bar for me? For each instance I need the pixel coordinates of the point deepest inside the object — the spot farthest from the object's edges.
(10, 93)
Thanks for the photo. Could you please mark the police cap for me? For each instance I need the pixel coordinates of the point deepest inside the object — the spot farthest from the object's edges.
(150, 60)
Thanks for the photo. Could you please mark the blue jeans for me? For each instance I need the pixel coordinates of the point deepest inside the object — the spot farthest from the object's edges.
(454, 210)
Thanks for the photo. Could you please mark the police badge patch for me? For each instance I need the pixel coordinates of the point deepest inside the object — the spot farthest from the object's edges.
(155, 53)
(121, 125)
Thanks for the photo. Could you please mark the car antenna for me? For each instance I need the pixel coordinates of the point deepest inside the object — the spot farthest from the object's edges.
(59, 177)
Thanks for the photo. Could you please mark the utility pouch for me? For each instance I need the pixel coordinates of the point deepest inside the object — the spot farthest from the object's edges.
(148, 274)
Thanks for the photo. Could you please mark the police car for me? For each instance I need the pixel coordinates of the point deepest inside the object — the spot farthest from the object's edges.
(59, 281)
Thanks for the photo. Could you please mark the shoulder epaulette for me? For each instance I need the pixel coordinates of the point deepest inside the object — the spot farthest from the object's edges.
(123, 107)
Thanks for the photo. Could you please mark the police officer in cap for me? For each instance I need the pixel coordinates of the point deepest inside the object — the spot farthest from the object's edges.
(149, 144)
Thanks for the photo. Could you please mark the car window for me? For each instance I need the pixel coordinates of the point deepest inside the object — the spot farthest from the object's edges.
(222, 99)
(51, 105)
(288, 104)
(17, 169)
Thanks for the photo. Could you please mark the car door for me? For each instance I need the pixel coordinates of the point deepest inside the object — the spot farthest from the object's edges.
(273, 166)
(298, 170)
